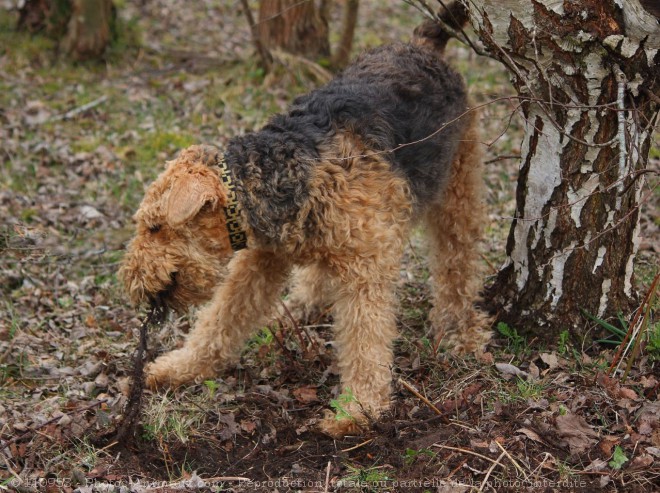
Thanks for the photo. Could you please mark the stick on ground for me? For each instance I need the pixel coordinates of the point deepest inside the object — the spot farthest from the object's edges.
(133, 408)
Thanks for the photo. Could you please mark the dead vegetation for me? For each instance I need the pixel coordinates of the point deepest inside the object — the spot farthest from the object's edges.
(79, 144)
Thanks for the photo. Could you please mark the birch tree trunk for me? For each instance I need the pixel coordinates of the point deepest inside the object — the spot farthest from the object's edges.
(587, 75)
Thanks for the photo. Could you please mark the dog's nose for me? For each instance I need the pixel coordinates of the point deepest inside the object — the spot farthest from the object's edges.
(167, 290)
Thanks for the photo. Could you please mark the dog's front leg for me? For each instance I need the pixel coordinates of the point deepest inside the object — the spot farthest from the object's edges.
(365, 330)
(240, 304)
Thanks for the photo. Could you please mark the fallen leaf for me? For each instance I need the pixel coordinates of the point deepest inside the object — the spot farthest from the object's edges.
(576, 432)
(607, 444)
(654, 451)
(534, 370)
(641, 461)
(648, 382)
(596, 465)
(305, 395)
(626, 393)
(231, 427)
(550, 359)
(648, 418)
(248, 426)
(510, 371)
(532, 435)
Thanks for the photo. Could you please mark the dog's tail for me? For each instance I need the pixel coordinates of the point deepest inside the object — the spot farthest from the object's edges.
(432, 34)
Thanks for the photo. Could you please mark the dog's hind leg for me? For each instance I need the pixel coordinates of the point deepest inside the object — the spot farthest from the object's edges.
(240, 304)
(454, 228)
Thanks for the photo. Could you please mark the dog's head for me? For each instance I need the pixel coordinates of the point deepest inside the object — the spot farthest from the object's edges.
(181, 245)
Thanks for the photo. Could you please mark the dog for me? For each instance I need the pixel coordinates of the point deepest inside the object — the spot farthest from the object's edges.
(330, 190)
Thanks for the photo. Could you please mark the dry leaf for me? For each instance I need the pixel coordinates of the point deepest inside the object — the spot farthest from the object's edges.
(305, 395)
(550, 359)
(248, 426)
(607, 444)
(510, 371)
(648, 418)
(576, 432)
(641, 461)
(532, 435)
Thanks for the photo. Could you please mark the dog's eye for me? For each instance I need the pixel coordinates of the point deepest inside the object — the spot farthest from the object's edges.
(155, 228)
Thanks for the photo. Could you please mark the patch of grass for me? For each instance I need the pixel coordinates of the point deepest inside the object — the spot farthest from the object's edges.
(528, 389)
(13, 318)
(516, 343)
(366, 478)
(166, 419)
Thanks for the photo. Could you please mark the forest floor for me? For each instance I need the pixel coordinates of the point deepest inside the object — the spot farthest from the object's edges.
(79, 144)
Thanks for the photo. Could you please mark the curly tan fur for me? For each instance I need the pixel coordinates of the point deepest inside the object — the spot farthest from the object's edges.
(321, 197)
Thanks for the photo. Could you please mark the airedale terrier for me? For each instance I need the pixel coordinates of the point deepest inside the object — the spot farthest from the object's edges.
(332, 187)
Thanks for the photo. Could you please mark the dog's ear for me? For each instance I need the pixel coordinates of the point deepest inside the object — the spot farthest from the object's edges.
(188, 195)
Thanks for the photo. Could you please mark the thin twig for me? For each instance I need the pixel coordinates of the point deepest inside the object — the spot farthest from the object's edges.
(358, 446)
(513, 461)
(414, 391)
(80, 109)
(503, 158)
(638, 313)
(327, 478)
(492, 467)
(465, 451)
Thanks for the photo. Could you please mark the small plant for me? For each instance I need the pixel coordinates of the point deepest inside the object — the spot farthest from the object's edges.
(564, 470)
(262, 338)
(212, 386)
(653, 341)
(617, 335)
(341, 402)
(618, 458)
(368, 478)
(515, 341)
(563, 344)
(411, 454)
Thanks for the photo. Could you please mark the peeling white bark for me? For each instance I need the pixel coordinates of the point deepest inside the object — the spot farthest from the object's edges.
(600, 258)
(556, 284)
(544, 177)
(578, 198)
(604, 298)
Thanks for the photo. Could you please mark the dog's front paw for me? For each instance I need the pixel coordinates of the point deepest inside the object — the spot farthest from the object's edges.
(175, 369)
(339, 427)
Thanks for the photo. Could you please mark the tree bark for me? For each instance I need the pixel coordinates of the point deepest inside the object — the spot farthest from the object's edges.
(343, 53)
(586, 73)
(296, 26)
(83, 28)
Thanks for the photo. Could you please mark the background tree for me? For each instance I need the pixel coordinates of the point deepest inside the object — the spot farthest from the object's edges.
(83, 28)
(296, 26)
(587, 81)
(301, 28)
